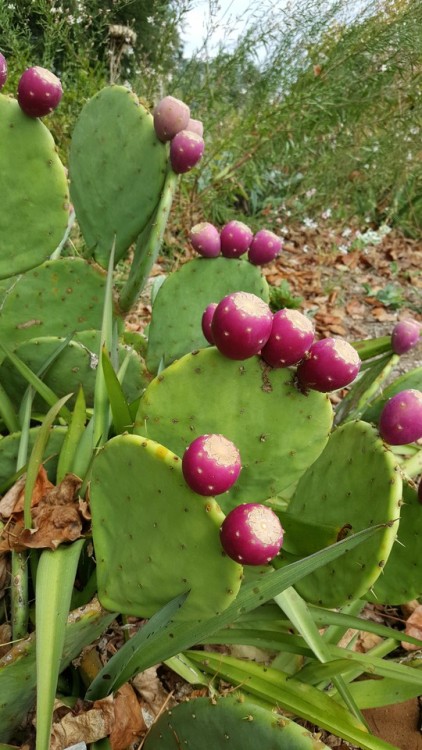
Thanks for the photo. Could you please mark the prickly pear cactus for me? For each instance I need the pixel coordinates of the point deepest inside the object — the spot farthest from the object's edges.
(278, 430)
(154, 538)
(401, 580)
(75, 366)
(231, 722)
(18, 676)
(354, 484)
(9, 449)
(411, 379)
(117, 168)
(175, 327)
(55, 299)
(33, 185)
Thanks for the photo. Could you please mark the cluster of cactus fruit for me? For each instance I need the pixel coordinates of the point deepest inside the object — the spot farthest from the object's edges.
(237, 407)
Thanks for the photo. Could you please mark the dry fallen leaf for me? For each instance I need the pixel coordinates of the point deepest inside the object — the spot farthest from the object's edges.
(413, 628)
(89, 726)
(128, 724)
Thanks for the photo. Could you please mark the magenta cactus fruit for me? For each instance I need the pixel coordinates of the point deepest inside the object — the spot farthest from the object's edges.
(205, 239)
(265, 246)
(251, 534)
(3, 70)
(241, 325)
(39, 92)
(328, 365)
(211, 464)
(195, 126)
(292, 334)
(236, 238)
(401, 418)
(171, 115)
(186, 149)
(207, 317)
(405, 336)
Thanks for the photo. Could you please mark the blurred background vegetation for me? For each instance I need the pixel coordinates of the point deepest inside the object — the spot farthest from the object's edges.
(315, 111)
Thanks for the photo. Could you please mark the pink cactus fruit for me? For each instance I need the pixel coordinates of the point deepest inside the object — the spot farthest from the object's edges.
(3, 70)
(401, 418)
(241, 325)
(39, 92)
(236, 238)
(207, 317)
(405, 335)
(329, 364)
(170, 115)
(211, 464)
(205, 239)
(195, 126)
(291, 336)
(264, 248)
(186, 150)
(251, 534)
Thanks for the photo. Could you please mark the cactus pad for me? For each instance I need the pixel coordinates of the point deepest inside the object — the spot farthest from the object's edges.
(117, 168)
(33, 185)
(55, 299)
(175, 327)
(354, 484)
(231, 722)
(154, 538)
(9, 449)
(278, 430)
(401, 579)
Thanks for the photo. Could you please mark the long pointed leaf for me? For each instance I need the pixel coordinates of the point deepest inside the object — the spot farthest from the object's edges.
(122, 419)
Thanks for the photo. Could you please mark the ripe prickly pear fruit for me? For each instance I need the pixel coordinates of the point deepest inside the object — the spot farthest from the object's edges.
(186, 149)
(205, 239)
(405, 336)
(3, 70)
(291, 336)
(39, 92)
(251, 534)
(401, 418)
(195, 126)
(241, 325)
(207, 322)
(236, 238)
(211, 464)
(171, 115)
(265, 246)
(328, 365)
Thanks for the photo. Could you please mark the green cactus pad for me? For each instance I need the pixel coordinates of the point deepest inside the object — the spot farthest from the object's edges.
(18, 677)
(354, 484)
(411, 379)
(278, 430)
(117, 168)
(231, 722)
(75, 366)
(33, 185)
(154, 538)
(175, 327)
(9, 449)
(401, 579)
(55, 299)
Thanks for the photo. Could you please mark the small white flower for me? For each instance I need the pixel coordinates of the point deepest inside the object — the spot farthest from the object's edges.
(326, 214)
(309, 223)
(150, 19)
(343, 249)
(346, 232)
(310, 193)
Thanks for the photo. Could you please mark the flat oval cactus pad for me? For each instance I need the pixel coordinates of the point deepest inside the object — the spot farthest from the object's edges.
(154, 538)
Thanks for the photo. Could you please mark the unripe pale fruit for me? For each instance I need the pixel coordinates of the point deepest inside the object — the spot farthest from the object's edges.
(401, 418)
(195, 126)
(292, 334)
(206, 322)
(328, 365)
(405, 335)
(236, 238)
(186, 151)
(211, 464)
(39, 92)
(3, 70)
(251, 534)
(171, 115)
(241, 325)
(265, 246)
(205, 239)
